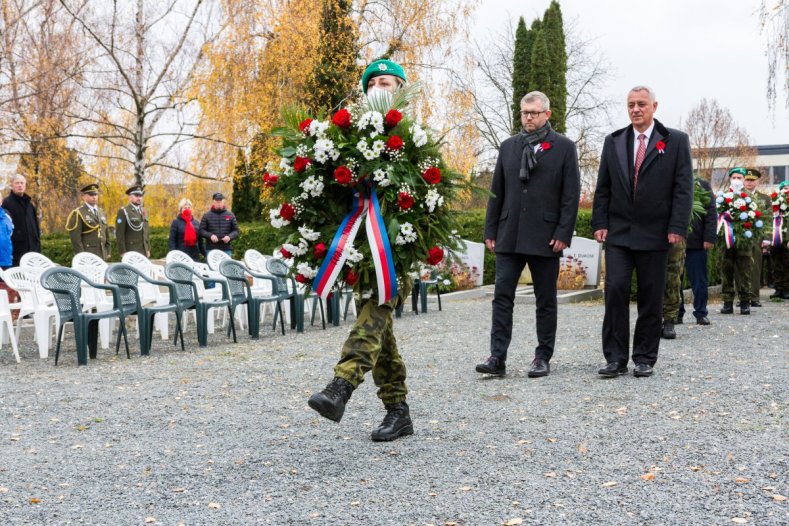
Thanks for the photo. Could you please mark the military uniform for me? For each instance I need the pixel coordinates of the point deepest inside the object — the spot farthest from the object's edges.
(779, 257)
(671, 295)
(131, 227)
(88, 228)
(765, 207)
(736, 265)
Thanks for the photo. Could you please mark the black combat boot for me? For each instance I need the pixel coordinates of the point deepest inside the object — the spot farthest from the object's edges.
(728, 307)
(745, 307)
(330, 402)
(779, 294)
(668, 332)
(397, 423)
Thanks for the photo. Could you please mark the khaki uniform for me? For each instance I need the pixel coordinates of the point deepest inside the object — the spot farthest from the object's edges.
(89, 232)
(765, 207)
(131, 230)
(371, 345)
(674, 268)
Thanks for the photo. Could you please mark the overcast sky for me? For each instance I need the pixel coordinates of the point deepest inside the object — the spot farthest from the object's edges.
(684, 49)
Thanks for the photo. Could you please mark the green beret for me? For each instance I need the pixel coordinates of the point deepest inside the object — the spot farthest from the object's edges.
(753, 174)
(782, 184)
(738, 170)
(382, 67)
(92, 188)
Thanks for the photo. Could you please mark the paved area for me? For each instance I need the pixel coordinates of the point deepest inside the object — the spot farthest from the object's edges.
(223, 435)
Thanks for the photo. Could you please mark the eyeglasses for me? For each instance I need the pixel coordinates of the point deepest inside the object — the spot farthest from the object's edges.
(532, 114)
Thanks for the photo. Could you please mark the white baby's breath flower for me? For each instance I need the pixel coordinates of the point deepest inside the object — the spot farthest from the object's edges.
(309, 234)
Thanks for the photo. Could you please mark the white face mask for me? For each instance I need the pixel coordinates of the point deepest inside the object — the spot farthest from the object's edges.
(736, 185)
(379, 97)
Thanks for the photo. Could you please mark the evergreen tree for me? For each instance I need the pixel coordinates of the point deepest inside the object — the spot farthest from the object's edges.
(336, 72)
(553, 30)
(520, 72)
(246, 195)
(540, 78)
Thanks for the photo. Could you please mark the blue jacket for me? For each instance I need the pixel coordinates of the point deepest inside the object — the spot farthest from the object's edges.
(6, 249)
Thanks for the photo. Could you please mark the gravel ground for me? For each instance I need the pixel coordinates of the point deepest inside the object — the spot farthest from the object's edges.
(223, 435)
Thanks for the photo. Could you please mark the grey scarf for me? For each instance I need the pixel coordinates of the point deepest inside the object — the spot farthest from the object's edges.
(529, 141)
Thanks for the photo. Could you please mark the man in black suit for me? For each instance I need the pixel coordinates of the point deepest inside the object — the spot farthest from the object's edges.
(641, 206)
(530, 220)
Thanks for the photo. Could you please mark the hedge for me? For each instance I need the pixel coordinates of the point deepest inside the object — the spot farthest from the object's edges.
(263, 237)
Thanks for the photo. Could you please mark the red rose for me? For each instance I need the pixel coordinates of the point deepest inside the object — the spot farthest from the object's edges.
(287, 212)
(300, 278)
(342, 119)
(343, 175)
(394, 143)
(758, 214)
(776, 208)
(351, 278)
(743, 208)
(728, 199)
(660, 145)
(432, 175)
(743, 195)
(747, 224)
(435, 255)
(405, 201)
(304, 126)
(270, 180)
(773, 195)
(319, 251)
(393, 118)
(301, 164)
(285, 253)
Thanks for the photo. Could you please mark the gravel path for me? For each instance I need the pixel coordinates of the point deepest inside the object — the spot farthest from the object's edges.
(223, 435)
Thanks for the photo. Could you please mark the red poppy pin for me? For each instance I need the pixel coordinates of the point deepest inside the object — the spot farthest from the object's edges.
(545, 146)
(661, 147)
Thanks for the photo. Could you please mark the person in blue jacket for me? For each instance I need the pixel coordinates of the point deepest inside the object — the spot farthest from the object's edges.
(6, 248)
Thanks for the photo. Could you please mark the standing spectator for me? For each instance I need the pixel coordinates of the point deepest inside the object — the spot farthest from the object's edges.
(184, 232)
(779, 256)
(736, 263)
(87, 225)
(530, 220)
(6, 247)
(131, 229)
(219, 226)
(19, 206)
(641, 207)
(701, 239)
(762, 246)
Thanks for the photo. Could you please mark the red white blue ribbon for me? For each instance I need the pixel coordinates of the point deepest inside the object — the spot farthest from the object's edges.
(778, 226)
(724, 221)
(366, 207)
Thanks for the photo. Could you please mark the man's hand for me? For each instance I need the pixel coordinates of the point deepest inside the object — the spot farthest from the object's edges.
(214, 239)
(675, 238)
(226, 239)
(708, 245)
(600, 235)
(557, 245)
(491, 244)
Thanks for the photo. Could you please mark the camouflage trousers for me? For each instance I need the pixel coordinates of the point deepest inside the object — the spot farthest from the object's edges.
(674, 268)
(756, 271)
(780, 259)
(736, 268)
(371, 345)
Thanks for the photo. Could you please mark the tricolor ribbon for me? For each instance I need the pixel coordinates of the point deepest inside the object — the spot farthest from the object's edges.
(778, 226)
(724, 221)
(364, 207)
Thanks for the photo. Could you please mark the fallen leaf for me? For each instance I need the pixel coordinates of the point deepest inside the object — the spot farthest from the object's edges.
(450, 523)
(739, 520)
(551, 440)
(150, 520)
(432, 494)
(730, 457)
(551, 474)
(779, 498)
(178, 490)
(214, 505)
(610, 484)
(355, 503)
(3, 490)
(582, 448)
(696, 468)
(741, 480)
(465, 488)
(769, 488)
(514, 522)
(621, 411)
(648, 476)
(34, 501)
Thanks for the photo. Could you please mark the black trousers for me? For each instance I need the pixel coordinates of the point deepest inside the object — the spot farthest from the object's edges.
(650, 268)
(544, 271)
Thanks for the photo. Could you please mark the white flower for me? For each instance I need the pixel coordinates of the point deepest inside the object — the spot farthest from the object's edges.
(309, 234)
(406, 235)
(418, 135)
(751, 214)
(306, 270)
(371, 118)
(738, 203)
(276, 220)
(381, 177)
(302, 150)
(297, 250)
(318, 128)
(353, 255)
(433, 199)
(312, 186)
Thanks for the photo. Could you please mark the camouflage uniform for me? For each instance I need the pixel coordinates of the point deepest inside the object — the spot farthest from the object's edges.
(736, 268)
(371, 345)
(674, 268)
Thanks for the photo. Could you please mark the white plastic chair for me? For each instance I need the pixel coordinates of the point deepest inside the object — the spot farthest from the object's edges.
(6, 325)
(94, 268)
(150, 293)
(36, 262)
(36, 302)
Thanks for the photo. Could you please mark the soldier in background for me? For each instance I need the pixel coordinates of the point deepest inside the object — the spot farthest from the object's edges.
(779, 257)
(131, 227)
(671, 295)
(737, 261)
(87, 225)
(762, 244)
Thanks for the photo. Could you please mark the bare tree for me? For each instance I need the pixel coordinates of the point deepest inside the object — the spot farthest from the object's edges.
(774, 18)
(717, 142)
(135, 99)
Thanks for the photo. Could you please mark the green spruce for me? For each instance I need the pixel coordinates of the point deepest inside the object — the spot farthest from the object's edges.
(246, 194)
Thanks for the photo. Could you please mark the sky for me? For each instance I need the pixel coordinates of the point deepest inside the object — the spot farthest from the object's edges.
(685, 50)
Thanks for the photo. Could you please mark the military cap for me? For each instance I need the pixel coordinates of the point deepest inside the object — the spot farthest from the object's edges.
(381, 67)
(753, 174)
(739, 170)
(91, 188)
(218, 196)
(134, 190)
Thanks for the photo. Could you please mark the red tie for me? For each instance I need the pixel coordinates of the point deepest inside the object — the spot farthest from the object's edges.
(640, 154)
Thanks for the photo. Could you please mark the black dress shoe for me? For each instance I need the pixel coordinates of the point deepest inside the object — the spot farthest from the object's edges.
(745, 307)
(397, 423)
(728, 307)
(756, 303)
(703, 320)
(330, 402)
(539, 367)
(642, 369)
(612, 370)
(492, 366)
(668, 332)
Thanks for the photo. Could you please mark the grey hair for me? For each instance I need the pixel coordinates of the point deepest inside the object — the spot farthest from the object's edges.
(183, 203)
(18, 177)
(650, 91)
(537, 95)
